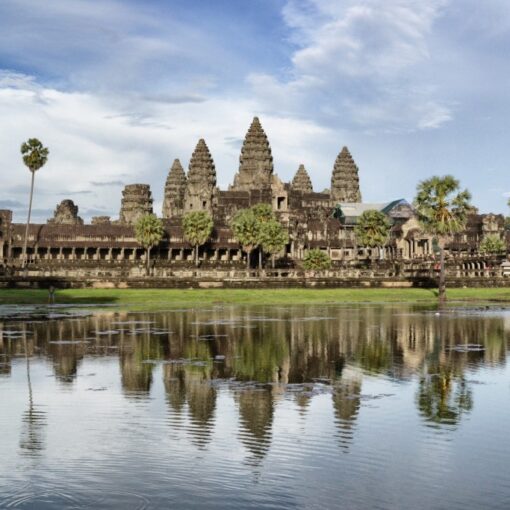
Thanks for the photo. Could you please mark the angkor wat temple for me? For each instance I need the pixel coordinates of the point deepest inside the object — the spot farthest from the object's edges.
(322, 220)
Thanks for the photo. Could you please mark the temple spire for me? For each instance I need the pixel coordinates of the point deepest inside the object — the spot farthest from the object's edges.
(255, 162)
(201, 183)
(345, 179)
(301, 181)
(175, 188)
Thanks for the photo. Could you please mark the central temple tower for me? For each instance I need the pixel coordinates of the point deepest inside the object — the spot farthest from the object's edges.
(256, 162)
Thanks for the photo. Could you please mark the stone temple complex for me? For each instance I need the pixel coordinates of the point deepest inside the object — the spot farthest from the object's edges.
(315, 220)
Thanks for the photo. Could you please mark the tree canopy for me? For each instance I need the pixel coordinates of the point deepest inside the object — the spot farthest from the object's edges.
(492, 244)
(197, 226)
(441, 208)
(34, 154)
(316, 260)
(372, 229)
(149, 230)
(273, 237)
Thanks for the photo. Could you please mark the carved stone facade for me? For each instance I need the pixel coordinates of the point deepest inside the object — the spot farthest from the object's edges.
(255, 162)
(66, 213)
(314, 220)
(175, 191)
(345, 179)
(302, 181)
(200, 189)
(136, 202)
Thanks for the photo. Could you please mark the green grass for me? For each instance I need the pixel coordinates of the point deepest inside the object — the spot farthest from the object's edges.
(149, 298)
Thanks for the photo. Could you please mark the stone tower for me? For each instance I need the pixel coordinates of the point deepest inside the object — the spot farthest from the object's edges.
(136, 202)
(66, 213)
(175, 189)
(345, 179)
(201, 184)
(301, 181)
(255, 162)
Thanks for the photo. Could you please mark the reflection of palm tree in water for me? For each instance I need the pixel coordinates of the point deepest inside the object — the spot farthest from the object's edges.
(443, 396)
(32, 441)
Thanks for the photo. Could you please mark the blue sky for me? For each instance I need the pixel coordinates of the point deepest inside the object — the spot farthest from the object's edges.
(118, 89)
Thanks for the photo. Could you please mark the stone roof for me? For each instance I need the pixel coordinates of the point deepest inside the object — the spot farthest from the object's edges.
(350, 211)
(345, 179)
(175, 188)
(302, 181)
(256, 160)
(66, 213)
(136, 202)
(201, 166)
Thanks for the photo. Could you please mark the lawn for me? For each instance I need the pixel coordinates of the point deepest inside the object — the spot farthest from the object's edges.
(148, 298)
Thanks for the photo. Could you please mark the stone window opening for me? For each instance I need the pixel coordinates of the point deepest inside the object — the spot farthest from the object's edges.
(280, 203)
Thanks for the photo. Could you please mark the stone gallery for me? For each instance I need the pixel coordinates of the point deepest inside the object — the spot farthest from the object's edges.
(315, 220)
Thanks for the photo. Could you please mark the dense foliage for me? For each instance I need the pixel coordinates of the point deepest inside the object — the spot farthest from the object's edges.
(316, 260)
(372, 229)
(34, 154)
(492, 244)
(273, 238)
(246, 228)
(149, 231)
(197, 226)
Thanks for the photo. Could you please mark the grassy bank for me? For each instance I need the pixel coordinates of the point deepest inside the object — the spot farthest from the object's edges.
(147, 298)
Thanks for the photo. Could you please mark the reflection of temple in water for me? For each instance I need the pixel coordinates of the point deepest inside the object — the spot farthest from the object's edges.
(283, 349)
(256, 411)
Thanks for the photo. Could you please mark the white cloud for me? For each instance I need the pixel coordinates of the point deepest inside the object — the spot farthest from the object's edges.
(359, 64)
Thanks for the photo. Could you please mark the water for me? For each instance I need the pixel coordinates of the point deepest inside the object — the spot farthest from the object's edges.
(352, 407)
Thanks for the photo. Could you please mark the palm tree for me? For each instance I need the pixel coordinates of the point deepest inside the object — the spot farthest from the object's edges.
(442, 211)
(264, 214)
(373, 230)
(246, 230)
(316, 260)
(198, 226)
(35, 156)
(149, 231)
(273, 238)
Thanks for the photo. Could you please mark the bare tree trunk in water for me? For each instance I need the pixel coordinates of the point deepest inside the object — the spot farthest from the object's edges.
(442, 277)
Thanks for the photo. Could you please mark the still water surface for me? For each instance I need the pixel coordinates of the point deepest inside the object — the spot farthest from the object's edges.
(355, 407)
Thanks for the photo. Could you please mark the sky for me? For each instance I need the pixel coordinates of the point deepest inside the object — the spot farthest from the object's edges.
(118, 89)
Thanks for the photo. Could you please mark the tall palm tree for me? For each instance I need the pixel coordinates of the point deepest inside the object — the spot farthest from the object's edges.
(273, 238)
(246, 230)
(442, 211)
(35, 156)
(197, 226)
(149, 231)
(372, 229)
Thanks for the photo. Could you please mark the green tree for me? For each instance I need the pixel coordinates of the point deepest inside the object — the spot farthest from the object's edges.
(373, 230)
(492, 244)
(442, 211)
(149, 231)
(198, 226)
(264, 214)
(316, 260)
(35, 156)
(246, 230)
(273, 238)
